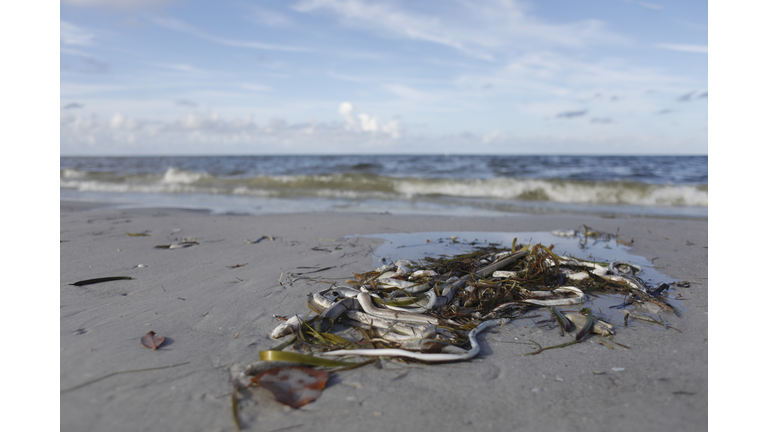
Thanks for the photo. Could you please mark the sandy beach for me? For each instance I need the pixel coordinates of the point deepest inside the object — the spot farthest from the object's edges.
(216, 319)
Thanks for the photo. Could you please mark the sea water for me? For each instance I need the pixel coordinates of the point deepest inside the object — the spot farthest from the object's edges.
(460, 185)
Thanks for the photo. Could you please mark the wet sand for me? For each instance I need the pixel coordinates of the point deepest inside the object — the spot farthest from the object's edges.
(215, 318)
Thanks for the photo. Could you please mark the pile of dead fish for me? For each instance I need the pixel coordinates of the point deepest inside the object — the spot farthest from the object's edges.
(429, 310)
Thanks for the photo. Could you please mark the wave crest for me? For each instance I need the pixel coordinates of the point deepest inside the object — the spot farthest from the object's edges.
(371, 186)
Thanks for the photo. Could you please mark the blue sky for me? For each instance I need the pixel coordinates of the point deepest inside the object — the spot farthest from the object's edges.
(358, 76)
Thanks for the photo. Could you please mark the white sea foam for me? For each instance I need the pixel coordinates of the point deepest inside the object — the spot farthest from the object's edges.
(557, 191)
(174, 175)
(72, 173)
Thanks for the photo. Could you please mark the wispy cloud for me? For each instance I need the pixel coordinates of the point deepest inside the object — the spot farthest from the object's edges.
(551, 75)
(71, 34)
(409, 92)
(687, 97)
(176, 25)
(483, 30)
(571, 114)
(702, 49)
(645, 4)
(118, 4)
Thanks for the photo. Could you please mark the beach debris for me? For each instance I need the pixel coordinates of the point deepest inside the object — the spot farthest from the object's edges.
(598, 327)
(260, 239)
(429, 310)
(595, 235)
(236, 405)
(137, 234)
(313, 271)
(182, 244)
(152, 340)
(99, 280)
(237, 266)
(294, 386)
(561, 319)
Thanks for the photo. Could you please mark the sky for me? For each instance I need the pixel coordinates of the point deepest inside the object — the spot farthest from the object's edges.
(151, 77)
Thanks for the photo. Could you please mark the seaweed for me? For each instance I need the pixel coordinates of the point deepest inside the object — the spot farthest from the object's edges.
(462, 293)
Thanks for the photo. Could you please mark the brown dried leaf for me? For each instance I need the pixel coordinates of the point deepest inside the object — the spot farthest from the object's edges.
(294, 386)
(152, 340)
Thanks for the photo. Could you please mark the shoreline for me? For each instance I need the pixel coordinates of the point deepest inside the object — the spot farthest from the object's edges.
(215, 318)
(220, 206)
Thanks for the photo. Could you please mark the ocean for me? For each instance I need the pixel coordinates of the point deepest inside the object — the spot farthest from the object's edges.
(460, 185)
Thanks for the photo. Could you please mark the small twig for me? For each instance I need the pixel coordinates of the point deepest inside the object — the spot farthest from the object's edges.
(606, 344)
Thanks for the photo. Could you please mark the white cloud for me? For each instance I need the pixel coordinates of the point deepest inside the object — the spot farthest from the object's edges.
(71, 34)
(686, 48)
(80, 131)
(121, 122)
(487, 138)
(198, 122)
(346, 110)
(368, 123)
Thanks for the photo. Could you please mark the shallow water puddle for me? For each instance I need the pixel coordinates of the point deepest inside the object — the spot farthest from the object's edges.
(415, 246)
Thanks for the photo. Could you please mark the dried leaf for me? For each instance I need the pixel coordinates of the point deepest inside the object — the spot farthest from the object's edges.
(152, 340)
(294, 386)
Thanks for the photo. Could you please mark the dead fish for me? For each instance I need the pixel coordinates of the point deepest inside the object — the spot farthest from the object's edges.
(420, 273)
(558, 302)
(598, 327)
(290, 326)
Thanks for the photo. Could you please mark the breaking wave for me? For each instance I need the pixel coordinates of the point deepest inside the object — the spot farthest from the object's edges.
(359, 186)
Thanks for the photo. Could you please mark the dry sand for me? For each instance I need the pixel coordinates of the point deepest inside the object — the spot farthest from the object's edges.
(214, 318)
